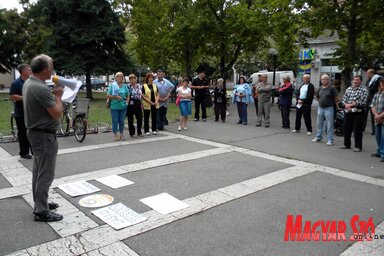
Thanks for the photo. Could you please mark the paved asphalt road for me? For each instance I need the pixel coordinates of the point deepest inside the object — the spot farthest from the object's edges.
(240, 182)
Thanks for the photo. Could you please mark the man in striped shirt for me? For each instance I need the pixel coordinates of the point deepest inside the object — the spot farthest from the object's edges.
(354, 100)
(377, 108)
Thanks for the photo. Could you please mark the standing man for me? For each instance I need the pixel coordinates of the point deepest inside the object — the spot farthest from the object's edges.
(373, 87)
(16, 95)
(327, 97)
(42, 114)
(255, 94)
(164, 88)
(304, 103)
(200, 85)
(264, 98)
(354, 100)
(378, 112)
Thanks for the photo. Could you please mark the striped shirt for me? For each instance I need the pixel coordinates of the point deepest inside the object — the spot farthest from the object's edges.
(378, 102)
(357, 95)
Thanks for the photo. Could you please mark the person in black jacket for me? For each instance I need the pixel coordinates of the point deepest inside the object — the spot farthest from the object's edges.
(285, 92)
(304, 103)
(220, 100)
(372, 87)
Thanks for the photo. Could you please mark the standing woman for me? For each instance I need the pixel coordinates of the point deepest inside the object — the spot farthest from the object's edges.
(242, 96)
(185, 94)
(135, 107)
(220, 100)
(118, 94)
(150, 103)
(285, 101)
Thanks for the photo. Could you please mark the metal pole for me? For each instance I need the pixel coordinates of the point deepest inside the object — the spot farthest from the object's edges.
(273, 79)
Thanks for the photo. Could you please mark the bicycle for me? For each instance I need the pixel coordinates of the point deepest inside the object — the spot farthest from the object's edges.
(13, 127)
(78, 124)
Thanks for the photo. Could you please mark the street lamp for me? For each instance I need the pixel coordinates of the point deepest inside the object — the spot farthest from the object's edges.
(273, 52)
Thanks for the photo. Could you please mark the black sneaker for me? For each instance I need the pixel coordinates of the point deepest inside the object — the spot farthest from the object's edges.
(48, 216)
(27, 156)
(53, 206)
(196, 120)
(204, 119)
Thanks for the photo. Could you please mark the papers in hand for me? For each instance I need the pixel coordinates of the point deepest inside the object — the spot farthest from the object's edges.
(299, 105)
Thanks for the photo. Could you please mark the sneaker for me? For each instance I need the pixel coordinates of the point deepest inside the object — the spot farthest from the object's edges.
(116, 138)
(257, 125)
(309, 133)
(267, 125)
(48, 216)
(140, 135)
(295, 131)
(357, 150)
(154, 133)
(179, 129)
(239, 122)
(27, 156)
(375, 154)
(185, 128)
(196, 120)
(315, 140)
(204, 119)
(344, 147)
(382, 160)
(147, 133)
(329, 143)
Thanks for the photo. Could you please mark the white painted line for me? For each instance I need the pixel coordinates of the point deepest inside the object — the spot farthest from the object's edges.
(112, 144)
(14, 191)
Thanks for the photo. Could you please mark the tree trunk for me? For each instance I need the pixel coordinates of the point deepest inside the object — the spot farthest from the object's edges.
(88, 85)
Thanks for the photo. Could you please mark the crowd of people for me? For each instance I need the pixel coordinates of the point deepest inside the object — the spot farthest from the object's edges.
(38, 110)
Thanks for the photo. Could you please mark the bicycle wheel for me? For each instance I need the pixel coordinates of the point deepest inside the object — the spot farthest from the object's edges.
(80, 128)
(64, 125)
(13, 127)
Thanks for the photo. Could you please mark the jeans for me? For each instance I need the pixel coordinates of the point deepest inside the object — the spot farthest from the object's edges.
(379, 134)
(242, 111)
(118, 117)
(327, 115)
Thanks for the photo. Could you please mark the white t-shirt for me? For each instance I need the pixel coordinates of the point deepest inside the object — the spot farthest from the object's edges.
(183, 91)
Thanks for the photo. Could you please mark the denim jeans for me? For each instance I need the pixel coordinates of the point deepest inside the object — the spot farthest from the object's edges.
(118, 117)
(242, 112)
(327, 114)
(379, 134)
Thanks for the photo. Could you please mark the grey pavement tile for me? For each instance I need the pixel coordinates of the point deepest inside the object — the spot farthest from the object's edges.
(4, 183)
(361, 249)
(19, 253)
(18, 230)
(255, 224)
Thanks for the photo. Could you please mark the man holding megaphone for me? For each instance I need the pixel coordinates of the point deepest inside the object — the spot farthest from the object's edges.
(43, 110)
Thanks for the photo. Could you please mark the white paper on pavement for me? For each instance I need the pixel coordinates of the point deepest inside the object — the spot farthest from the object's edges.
(115, 181)
(164, 203)
(119, 216)
(69, 95)
(78, 188)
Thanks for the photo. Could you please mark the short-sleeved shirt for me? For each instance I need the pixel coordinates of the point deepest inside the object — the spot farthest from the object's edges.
(327, 96)
(164, 88)
(17, 88)
(122, 91)
(198, 82)
(37, 98)
(183, 91)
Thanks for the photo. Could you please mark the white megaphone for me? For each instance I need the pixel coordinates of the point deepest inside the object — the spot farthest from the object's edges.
(61, 81)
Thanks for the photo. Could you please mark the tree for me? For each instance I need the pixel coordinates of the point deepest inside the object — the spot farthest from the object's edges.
(87, 37)
(359, 25)
(12, 39)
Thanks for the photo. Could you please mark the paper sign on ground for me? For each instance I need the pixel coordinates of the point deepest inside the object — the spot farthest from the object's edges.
(114, 181)
(118, 216)
(78, 188)
(94, 201)
(164, 203)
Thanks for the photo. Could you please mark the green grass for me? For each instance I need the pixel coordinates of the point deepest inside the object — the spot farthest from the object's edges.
(97, 112)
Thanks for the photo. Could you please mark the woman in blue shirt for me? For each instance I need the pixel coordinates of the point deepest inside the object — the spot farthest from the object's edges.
(118, 94)
(242, 96)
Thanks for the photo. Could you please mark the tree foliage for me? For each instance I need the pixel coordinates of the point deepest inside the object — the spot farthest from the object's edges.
(87, 37)
(12, 39)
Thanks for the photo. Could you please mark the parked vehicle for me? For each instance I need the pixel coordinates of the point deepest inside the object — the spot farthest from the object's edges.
(96, 84)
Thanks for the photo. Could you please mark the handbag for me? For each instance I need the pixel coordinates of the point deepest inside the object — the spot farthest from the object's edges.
(108, 103)
(178, 101)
